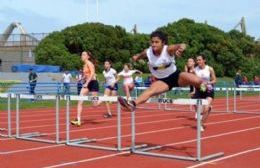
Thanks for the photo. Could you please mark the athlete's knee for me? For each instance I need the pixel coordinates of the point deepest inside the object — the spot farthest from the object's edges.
(80, 102)
(150, 91)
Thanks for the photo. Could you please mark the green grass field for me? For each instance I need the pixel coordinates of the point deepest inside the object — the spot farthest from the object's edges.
(6, 84)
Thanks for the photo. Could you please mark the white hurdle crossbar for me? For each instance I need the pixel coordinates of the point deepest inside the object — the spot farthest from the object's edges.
(249, 89)
(83, 142)
(165, 107)
(145, 151)
(35, 136)
(8, 96)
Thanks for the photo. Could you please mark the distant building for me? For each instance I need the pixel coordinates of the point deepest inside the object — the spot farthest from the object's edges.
(17, 48)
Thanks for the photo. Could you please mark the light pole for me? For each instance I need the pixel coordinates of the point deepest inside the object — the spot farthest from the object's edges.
(97, 4)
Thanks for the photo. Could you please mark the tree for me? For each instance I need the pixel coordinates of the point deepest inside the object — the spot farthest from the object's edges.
(226, 52)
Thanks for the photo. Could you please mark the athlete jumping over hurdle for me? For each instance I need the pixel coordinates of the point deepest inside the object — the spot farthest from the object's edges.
(128, 84)
(161, 61)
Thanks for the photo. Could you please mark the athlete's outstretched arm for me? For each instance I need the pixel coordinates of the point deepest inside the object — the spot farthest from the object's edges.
(176, 49)
(213, 76)
(139, 56)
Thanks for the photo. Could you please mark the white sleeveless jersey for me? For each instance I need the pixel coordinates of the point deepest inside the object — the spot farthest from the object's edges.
(204, 74)
(128, 76)
(110, 76)
(161, 66)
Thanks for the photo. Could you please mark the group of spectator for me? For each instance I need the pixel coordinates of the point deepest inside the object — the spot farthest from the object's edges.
(243, 80)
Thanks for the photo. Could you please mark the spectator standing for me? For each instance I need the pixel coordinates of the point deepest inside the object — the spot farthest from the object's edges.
(66, 82)
(238, 80)
(32, 80)
(80, 81)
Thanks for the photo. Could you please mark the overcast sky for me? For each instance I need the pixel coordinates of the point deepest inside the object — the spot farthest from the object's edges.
(49, 15)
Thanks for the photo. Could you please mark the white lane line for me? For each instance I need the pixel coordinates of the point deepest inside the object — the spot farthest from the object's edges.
(226, 157)
(87, 160)
(31, 149)
(149, 132)
(171, 144)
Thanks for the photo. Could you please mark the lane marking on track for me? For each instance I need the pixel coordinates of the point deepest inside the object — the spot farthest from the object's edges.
(31, 149)
(87, 160)
(142, 123)
(214, 161)
(171, 144)
(150, 122)
(86, 115)
(156, 131)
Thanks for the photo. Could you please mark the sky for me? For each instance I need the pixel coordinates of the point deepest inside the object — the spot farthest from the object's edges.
(46, 16)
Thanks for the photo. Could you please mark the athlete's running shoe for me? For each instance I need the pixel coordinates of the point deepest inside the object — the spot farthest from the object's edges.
(202, 128)
(75, 122)
(107, 115)
(127, 105)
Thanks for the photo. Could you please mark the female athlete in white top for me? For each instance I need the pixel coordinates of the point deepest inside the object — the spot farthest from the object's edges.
(128, 83)
(161, 61)
(111, 86)
(207, 75)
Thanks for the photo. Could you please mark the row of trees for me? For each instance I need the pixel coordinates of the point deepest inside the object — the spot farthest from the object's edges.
(226, 52)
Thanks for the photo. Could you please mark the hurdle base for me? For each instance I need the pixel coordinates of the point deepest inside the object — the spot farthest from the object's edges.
(5, 135)
(30, 135)
(82, 144)
(145, 152)
(136, 147)
(33, 137)
(244, 112)
(211, 156)
(168, 156)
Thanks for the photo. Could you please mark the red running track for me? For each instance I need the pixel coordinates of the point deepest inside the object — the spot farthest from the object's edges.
(238, 135)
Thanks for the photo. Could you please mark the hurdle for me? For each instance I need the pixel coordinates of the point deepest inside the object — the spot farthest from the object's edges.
(36, 136)
(145, 151)
(8, 96)
(248, 87)
(160, 106)
(83, 142)
(239, 110)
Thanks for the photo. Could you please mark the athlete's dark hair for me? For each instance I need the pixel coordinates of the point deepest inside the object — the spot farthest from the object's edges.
(161, 35)
(109, 61)
(128, 65)
(203, 56)
(91, 58)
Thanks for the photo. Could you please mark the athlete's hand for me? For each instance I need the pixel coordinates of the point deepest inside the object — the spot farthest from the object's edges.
(135, 58)
(180, 49)
(85, 85)
(112, 85)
